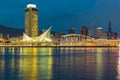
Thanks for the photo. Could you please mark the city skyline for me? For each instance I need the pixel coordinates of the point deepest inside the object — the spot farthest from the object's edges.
(63, 15)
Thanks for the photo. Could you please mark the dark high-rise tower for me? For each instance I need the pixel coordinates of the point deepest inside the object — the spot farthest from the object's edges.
(31, 20)
(109, 28)
(109, 32)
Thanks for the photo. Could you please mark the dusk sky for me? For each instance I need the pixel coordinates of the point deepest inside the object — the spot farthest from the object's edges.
(63, 14)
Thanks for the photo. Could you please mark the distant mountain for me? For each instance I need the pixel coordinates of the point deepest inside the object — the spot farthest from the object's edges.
(13, 32)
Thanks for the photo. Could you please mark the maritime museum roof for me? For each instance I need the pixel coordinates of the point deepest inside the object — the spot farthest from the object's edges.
(45, 37)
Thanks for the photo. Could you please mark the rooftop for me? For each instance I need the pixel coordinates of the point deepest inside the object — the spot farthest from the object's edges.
(31, 6)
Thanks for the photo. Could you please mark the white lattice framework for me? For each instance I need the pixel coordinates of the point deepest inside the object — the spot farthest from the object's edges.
(45, 37)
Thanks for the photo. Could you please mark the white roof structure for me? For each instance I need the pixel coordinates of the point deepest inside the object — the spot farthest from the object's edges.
(45, 37)
(31, 6)
(99, 28)
(26, 37)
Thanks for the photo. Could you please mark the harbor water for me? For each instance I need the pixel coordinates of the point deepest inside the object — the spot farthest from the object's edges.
(40, 63)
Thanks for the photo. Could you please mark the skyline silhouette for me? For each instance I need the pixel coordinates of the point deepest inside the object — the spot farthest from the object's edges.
(63, 15)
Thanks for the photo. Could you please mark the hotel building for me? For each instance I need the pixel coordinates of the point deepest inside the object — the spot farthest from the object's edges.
(31, 20)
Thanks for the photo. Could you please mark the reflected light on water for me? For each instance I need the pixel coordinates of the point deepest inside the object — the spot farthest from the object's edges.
(2, 62)
(40, 66)
(65, 64)
(31, 70)
(45, 51)
(99, 64)
(118, 66)
(36, 51)
(25, 51)
(2, 51)
(26, 67)
(13, 51)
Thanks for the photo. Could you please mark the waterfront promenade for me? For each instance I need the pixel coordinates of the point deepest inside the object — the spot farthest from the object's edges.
(95, 43)
(54, 46)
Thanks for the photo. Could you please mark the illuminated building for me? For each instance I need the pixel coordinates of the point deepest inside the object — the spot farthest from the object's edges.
(99, 33)
(31, 20)
(1, 39)
(72, 31)
(75, 39)
(84, 30)
(45, 37)
(115, 35)
(58, 36)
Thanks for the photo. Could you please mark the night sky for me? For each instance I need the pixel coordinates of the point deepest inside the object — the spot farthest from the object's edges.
(63, 14)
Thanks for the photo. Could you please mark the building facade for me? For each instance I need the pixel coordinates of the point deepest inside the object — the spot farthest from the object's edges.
(75, 39)
(99, 33)
(31, 20)
(114, 35)
(84, 30)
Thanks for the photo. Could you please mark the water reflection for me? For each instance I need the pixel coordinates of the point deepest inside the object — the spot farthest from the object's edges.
(33, 67)
(86, 64)
(25, 51)
(118, 66)
(9, 67)
(2, 51)
(27, 65)
(99, 64)
(59, 63)
(35, 51)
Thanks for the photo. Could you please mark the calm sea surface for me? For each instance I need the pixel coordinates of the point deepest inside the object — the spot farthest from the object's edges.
(59, 63)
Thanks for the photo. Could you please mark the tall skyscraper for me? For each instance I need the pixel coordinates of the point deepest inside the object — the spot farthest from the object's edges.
(109, 27)
(99, 33)
(109, 33)
(31, 20)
